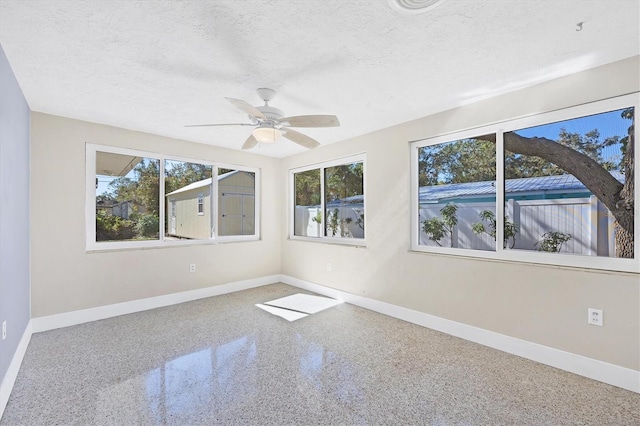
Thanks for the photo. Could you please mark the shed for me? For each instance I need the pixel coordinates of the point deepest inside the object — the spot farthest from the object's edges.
(189, 208)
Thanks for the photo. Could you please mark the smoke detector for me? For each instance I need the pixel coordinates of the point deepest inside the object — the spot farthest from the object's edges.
(413, 7)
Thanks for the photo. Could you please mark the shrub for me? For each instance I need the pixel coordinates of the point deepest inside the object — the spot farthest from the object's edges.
(148, 225)
(110, 227)
(552, 241)
(437, 228)
(510, 228)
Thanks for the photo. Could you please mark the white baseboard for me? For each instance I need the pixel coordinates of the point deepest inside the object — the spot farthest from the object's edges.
(101, 312)
(12, 373)
(615, 375)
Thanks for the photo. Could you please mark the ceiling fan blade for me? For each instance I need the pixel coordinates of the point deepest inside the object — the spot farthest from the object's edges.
(250, 142)
(221, 124)
(311, 121)
(244, 106)
(300, 138)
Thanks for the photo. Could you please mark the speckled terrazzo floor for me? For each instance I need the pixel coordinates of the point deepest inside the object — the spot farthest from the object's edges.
(224, 361)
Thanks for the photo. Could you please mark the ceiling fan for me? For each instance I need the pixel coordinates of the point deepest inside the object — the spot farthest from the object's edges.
(270, 123)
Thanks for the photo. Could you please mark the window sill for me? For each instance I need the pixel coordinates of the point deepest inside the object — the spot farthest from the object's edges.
(536, 258)
(350, 242)
(110, 247)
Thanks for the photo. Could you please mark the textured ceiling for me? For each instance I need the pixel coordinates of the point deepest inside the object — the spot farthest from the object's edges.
(155, 66)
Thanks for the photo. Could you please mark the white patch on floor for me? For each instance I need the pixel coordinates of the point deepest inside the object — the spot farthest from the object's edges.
(283, 313)
(306, 303)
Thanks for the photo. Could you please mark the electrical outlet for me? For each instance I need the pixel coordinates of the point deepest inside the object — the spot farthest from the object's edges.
(192, 267)
(329, 267)
(596, 317)
(4, 329)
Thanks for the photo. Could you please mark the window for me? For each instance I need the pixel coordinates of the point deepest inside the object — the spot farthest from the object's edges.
(329, 201)
(200, 204)
(556, 210)
(137, 199)
(236, 202)
(127, 197)
(457, 195)
(187, 187)
(307, 217)
(555, 188)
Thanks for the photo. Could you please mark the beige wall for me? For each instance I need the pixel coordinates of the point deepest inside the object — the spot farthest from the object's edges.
(542, 304)
(66, 278)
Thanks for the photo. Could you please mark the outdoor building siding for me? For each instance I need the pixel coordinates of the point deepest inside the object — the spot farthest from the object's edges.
(188, 223)
(236, 207)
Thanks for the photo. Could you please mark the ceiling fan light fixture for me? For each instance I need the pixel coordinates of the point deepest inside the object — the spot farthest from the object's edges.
(413, 7)
(266, 134)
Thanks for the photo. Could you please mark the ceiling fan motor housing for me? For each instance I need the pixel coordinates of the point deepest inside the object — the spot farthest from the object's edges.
(272, 114)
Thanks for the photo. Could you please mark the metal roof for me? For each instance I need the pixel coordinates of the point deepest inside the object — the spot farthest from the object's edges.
(354, 199)
(565, 182)
(202, 183)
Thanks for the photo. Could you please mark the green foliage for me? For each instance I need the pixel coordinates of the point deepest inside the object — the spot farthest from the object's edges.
(318, 217)
(110, 227)
(336, 225)
(466, 160)
(360, 220)
(143, 189)
(510, 228)
(589, 144)
(148, 225)
(179, 174)
(437, 228)
(628, 115)
(474, 160)
(552, 241)
(343, 181)
(307, 188)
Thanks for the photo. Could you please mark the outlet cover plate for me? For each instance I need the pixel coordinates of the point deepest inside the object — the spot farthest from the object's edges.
(596, 317)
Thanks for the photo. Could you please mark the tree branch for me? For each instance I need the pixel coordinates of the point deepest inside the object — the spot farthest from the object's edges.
(598, 180)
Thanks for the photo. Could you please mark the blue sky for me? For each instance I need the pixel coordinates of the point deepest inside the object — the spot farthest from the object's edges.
(608, 124)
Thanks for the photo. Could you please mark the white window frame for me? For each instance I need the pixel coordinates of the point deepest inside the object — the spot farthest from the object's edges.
(357, 158)
(200, 210)
(581, 261)
(91, 244)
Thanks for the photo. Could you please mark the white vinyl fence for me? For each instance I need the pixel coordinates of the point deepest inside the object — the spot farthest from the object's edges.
(586, 219)
(307, 221)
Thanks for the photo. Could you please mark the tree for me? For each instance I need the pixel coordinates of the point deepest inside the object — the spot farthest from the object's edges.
(510, 228)
(180, 174)
(343, 181)
(307, 187)
(437, 228)
(467, 160)
(143, 189)
(617, 197)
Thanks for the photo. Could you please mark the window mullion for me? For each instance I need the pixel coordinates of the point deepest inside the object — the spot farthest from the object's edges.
(213, 220)
(500, 197)
(161, 200)
(322, 202)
